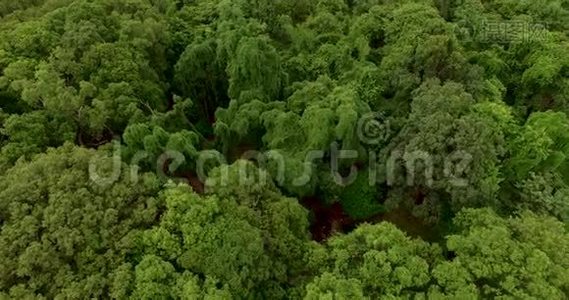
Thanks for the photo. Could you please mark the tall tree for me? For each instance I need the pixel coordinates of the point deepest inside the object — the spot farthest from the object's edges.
(65, 230)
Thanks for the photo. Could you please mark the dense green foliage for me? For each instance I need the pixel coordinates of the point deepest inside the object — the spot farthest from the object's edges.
(284, 149)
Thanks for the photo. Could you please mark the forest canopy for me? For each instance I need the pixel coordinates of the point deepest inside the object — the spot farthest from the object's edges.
(284, 149)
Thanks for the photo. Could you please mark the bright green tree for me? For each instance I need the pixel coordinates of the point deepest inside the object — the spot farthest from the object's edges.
(508, 258)
(66, 229)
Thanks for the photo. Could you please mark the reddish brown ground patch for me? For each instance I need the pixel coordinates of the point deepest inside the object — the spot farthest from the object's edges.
(195, 182)
(330, 219)
(327, 219)
(407, 222)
